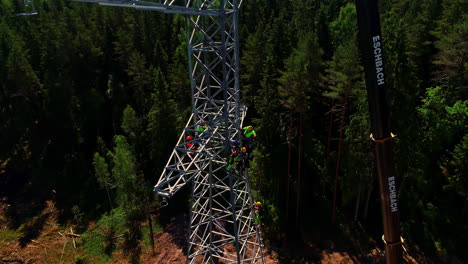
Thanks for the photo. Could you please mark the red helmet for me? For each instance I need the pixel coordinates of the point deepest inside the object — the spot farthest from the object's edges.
(188, 138)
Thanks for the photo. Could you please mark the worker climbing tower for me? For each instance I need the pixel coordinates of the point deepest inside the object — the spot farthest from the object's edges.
(222, 229)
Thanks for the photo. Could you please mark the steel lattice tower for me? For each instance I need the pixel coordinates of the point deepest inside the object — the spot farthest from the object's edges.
(29, 9)
(222, 229)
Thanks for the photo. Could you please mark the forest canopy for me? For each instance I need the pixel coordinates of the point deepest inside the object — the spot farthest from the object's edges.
(93, 100)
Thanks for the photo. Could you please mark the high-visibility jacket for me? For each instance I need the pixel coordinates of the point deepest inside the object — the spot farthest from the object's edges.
(201, 128)
(232, 162)
(233, 159)
(248, 133)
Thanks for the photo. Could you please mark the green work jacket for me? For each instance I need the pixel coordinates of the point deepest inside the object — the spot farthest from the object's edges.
(248, 133)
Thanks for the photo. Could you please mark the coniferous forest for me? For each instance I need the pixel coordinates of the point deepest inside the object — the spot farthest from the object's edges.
(93, 100)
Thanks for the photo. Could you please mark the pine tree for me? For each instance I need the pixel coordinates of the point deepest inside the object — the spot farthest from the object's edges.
(451, 59)
(297, 84)
(343, 77)
(163, 121)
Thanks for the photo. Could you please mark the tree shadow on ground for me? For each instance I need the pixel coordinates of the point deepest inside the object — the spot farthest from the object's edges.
(20, 211)
(131, 244)
(20, 204)
(33, 229)
(178, 229)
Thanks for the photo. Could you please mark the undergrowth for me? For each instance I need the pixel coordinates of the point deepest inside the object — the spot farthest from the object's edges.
(101, 240)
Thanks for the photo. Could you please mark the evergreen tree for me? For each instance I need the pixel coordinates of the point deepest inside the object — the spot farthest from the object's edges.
(451, 59)
(298, 83)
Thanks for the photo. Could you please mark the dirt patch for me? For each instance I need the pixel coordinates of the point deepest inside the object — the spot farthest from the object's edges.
(171, 246)
(166, 251)
(39, 240)
(42, 240)
(335, 257)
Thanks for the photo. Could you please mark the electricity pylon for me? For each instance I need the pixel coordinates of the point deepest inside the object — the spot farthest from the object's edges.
(29, 9)
(222, 229)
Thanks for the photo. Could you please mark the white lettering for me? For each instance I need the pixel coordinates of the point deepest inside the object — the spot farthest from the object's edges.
(378, 60)
(378, 63)
(376, 45)
(378, 57)
(392, 194)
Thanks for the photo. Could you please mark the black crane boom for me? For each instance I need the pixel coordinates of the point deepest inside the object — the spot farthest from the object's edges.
(371, 47)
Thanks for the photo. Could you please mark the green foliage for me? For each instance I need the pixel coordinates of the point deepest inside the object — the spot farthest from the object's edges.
(146, 233)
(102, 172)
(123, 161)
(131, 123)
(128, 187)
(435, 180)
(101, 240)
(343, 72)
(358, 158)
(451, 60)
(7, 235)
(78, 217)
(162, 118)
(76, 73)
(252, 64)
(302, 71)
(344, 28)
(443, 123)
(179, 79)
(455, 167)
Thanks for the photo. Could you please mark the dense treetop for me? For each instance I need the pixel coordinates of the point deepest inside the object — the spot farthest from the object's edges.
(92, 101)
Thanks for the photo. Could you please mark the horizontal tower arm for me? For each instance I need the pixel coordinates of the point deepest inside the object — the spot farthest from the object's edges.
(206, 8)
